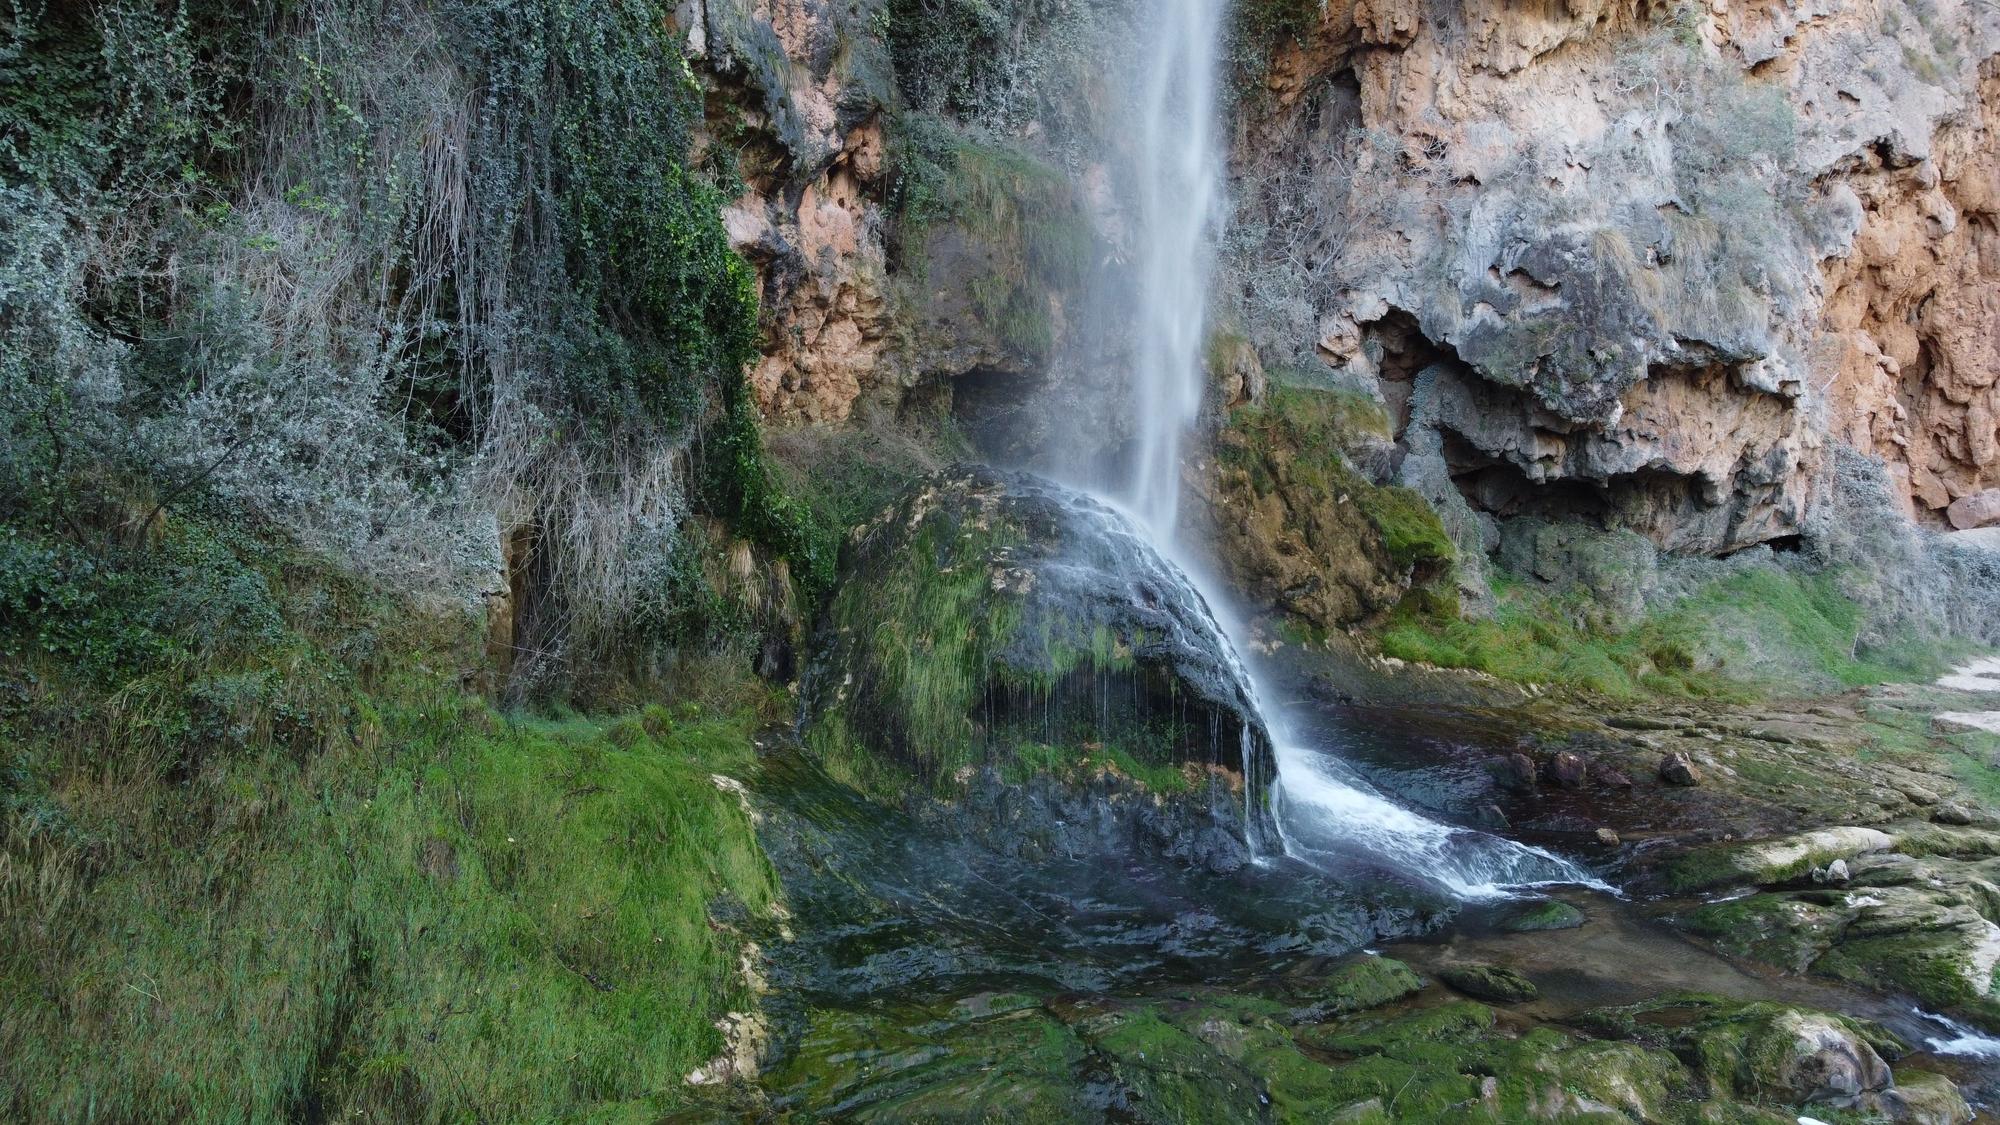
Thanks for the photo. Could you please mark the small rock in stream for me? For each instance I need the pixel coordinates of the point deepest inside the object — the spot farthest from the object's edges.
(1543, 916)
(1566, 769)
(1607, 837)
(1496, 983)
(1514, 773)
(1677, 769)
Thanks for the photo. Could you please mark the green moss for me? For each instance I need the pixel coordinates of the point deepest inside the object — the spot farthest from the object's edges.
(1409, 526)
(1023, 216)
(1312, 429)
(1490, 982)
(927, 629)
(1175, 1076)
(1775, 929)
(1935, 968)
(1550, 915)
(1407, 1036)
(1360, 984)
(371, 893)
(999, 1058)
(1029, 759)
(1737, 1048)
(952, 656)
(1763, 630)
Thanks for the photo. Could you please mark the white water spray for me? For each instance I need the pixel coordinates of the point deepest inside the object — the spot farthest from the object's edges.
(1177, 173)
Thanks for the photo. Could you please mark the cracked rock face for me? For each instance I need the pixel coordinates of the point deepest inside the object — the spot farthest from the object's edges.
(1640, 271)
(806, 84)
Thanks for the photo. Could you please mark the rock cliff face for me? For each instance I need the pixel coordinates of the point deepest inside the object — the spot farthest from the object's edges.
(1638, 265)
(1628, 263)
(797, 89)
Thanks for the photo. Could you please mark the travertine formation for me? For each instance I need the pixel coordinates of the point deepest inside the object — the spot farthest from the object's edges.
(806, 94)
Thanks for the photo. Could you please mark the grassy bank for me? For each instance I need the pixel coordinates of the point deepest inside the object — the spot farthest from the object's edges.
(267, 858)
(1762, 630)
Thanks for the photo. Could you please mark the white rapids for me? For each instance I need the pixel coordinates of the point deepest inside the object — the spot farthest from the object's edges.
(1324, 815)
(1959, 1039)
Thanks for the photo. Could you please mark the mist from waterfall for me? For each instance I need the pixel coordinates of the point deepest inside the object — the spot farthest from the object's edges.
(1323, 812)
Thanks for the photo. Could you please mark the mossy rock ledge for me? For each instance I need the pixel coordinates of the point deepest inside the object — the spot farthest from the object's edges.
(1018, 656)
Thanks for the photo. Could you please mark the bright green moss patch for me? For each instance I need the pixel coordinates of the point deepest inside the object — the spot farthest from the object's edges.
(1090, 760)
(293, 864)
(925, 631)
(1407, 523)
(1762, 629)
(1362, 983)
(480, 916)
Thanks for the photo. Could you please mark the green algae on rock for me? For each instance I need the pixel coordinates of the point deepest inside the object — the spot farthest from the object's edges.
(994, 628)
(1553, 914)
(1497, 983)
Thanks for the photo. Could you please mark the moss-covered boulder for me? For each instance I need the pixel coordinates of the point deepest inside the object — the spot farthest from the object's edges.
(997, 637)
(1358, 984)
(1772, 862)
(1765, 1052)
(1497, 983)
(1539, 917)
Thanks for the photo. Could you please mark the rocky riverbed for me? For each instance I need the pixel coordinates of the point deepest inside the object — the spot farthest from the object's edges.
(1802, 930)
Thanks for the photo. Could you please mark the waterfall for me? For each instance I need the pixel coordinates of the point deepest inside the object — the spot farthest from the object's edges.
(1177, 179)
(1177, 172)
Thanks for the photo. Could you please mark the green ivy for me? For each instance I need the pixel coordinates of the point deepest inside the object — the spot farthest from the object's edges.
(739, 484)
(586, 112)
(123, 101)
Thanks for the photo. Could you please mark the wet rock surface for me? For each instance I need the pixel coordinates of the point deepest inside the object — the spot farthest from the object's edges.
(1023, 652)
(1496, 983)
(927, 975)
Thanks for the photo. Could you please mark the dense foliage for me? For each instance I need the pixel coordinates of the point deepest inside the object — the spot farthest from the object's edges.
(383, 277)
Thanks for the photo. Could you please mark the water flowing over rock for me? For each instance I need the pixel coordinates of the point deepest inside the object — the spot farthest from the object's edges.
(995, 628)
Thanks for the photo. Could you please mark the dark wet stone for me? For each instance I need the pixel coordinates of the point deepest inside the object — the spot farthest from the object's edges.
(1566, 768)
(1677, 769)
(1609, 776)
(1490, 982)
(1514, 773)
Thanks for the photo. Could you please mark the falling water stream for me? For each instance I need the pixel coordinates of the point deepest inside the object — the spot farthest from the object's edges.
(1323, 811)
